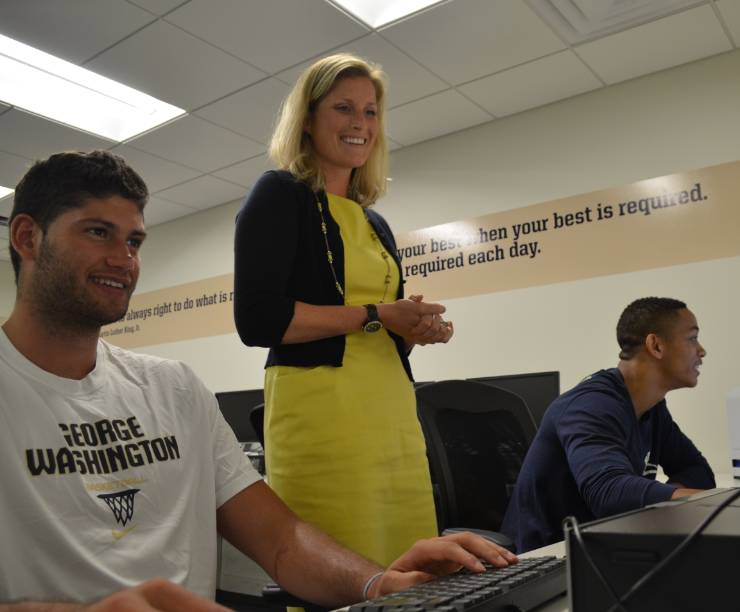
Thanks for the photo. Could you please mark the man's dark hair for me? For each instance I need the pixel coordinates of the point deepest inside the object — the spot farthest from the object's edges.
(650, 315)
(67, 180)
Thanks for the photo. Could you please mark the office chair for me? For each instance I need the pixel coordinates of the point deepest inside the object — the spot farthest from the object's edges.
(477, 437)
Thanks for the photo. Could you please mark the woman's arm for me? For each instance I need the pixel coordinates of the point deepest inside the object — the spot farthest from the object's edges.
(405, 318)
(267, 233)
(265, 249)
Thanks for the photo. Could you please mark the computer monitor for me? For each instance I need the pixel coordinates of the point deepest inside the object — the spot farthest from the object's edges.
(236, 406)
(538, 389)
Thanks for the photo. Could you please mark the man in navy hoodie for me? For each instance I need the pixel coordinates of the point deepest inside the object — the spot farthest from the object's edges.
(599, 445)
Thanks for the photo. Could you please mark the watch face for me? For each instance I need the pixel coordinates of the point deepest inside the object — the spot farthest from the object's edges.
(372, 326)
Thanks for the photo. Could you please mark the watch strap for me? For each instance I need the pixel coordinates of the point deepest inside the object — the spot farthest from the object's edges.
(372, 322)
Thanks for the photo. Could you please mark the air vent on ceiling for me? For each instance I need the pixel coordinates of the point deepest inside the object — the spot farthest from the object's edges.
(3, 221)
(581, 20)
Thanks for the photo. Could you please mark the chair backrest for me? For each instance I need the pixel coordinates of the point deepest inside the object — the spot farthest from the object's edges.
(477, 437)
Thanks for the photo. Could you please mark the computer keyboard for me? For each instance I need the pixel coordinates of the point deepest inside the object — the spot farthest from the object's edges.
(523, 586)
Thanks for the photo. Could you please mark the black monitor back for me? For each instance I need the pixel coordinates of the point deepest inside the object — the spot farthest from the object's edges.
(537, 389)
(236, 406)
(627, 546)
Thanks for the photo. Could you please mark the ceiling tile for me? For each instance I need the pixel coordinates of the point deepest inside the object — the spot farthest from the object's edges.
(174, 66)
(464, 40)
(247, 172)
(250, 112)
(434, 116)
(539, 82)
(157, 173)
(196, 143)
(654, 46)
(407, 80)
(33, 137)
(203, 192)
(160, 211)
(74, 29)
(270, 35)
(12, 168)
(158, 7)
(730, 11)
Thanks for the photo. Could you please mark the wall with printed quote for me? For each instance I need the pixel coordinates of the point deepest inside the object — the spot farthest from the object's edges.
(546, 284)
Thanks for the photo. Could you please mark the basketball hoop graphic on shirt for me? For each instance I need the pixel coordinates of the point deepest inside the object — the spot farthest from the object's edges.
(121, 504)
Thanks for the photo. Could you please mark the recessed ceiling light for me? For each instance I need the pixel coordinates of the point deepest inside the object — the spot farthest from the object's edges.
(376, 13)
(54, 88)
(4, 191)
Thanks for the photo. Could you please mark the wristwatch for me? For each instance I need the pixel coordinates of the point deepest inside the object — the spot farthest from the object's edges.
(372, 323)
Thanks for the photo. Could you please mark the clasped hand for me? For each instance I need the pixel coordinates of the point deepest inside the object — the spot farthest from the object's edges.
(416, 321)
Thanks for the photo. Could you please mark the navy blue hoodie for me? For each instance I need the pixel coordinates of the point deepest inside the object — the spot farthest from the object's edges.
(593, 458)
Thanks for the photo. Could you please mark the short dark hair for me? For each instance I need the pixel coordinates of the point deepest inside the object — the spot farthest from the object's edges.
(67, 180)
(649, 315)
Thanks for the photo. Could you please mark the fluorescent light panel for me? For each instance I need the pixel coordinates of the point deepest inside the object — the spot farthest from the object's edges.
(46, 85)
(4, 191)
(376, 13)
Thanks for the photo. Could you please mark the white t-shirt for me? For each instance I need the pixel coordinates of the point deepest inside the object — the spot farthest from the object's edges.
(111, 480)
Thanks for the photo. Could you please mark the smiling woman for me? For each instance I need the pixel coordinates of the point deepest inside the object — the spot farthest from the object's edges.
(318, 281)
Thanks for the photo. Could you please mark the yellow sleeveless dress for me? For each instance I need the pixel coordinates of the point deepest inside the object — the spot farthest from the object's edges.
(344, 448)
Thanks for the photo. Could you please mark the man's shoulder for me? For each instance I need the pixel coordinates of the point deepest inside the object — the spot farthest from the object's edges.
(601, 390)
(608, 382)
(143, 368)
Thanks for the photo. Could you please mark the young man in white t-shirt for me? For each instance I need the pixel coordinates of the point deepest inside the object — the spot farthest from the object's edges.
(118, 470)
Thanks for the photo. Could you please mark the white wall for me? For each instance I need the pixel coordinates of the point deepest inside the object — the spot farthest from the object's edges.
(7, 289)
(681, 119)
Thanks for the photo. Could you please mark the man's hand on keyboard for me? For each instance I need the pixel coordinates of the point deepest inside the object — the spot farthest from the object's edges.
(428, 559)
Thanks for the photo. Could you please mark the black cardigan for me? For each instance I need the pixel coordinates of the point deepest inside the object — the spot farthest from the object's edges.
(280, 258)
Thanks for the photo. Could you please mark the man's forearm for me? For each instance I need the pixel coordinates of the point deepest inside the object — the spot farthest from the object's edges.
(697, 476)
(317, 568)
(299, 557)
(155, 594)
(31, 606)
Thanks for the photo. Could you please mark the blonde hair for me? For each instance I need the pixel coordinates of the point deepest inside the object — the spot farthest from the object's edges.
(291, 148)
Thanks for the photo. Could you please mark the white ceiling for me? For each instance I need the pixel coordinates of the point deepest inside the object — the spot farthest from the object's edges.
(230, 62)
